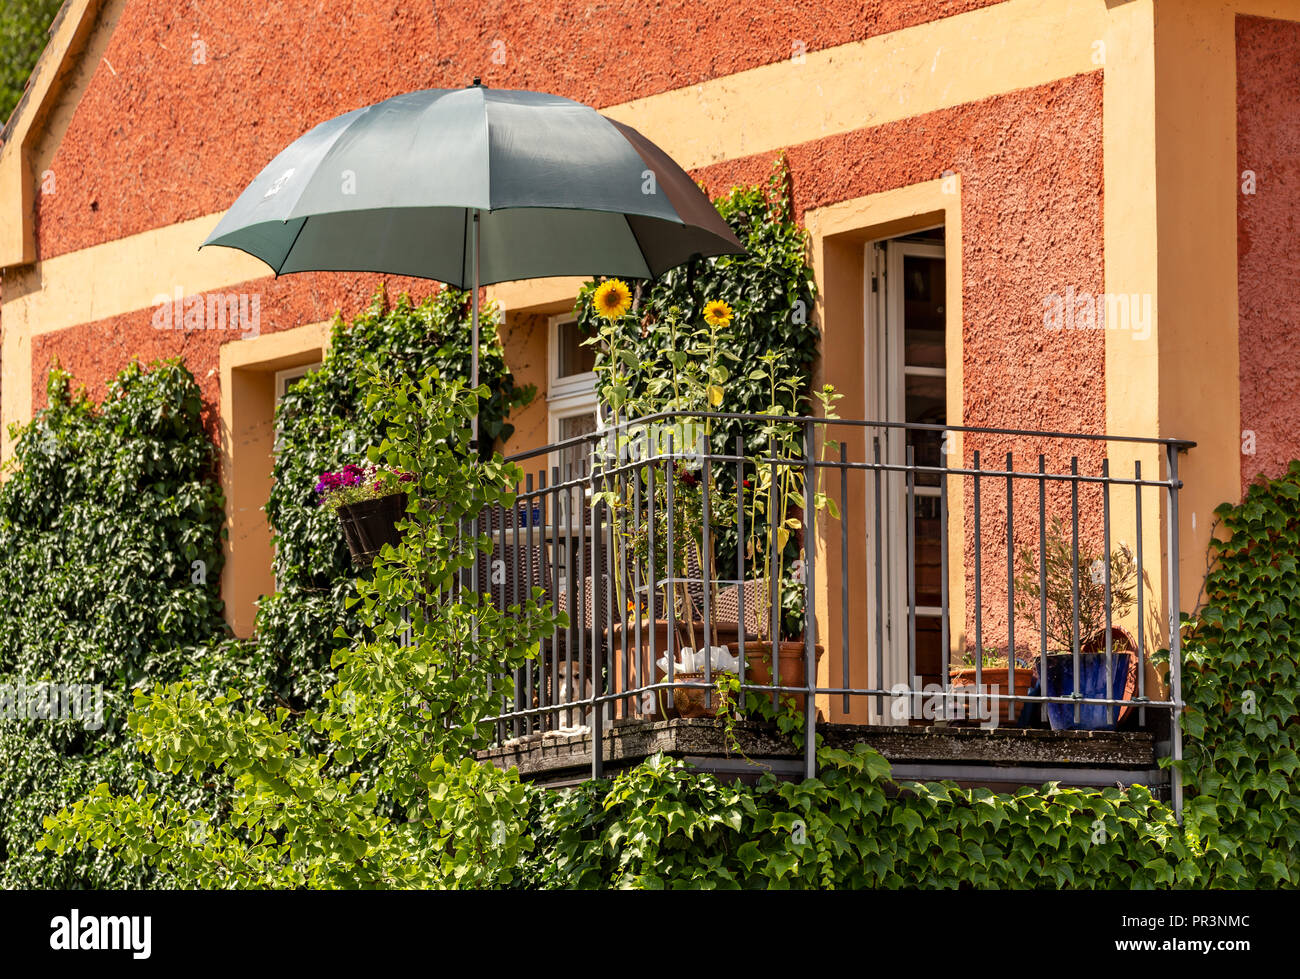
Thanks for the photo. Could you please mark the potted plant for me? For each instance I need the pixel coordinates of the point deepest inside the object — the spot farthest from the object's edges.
(370, 501)
(994, 674)
(700, 369)
(1058, 576)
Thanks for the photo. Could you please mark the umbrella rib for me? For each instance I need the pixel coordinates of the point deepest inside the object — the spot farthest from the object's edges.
(650, 273)
(284, 261)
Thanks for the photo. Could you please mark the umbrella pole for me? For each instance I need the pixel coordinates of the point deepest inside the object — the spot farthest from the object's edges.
(473, 368)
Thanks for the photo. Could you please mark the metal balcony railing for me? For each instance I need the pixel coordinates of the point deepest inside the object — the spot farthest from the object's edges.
(927, 573)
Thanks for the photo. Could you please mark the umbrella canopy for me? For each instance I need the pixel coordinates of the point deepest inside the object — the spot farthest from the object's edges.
(558, 189)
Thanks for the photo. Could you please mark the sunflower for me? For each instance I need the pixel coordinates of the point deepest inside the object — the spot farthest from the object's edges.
(612, 299)
(717, 313)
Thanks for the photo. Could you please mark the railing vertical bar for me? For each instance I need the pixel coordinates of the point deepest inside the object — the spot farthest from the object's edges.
(945, 623)
(1106, 585)
(509, 589)
(1011, 598)
(652, 583)
(1042, 582)
(1141, 604)
(525, 587)
(1175, 637)
(622, 599)
(572, 584)
(598, 682)
(880, 610)
(644, 674)
(773, 519)
(844, 573)
(911, 564)
(670, 478)
(810, 601)
(1074, 581)
(706, 571)
(979, 593)
(581, 602)
(551, 557)
(741, 618)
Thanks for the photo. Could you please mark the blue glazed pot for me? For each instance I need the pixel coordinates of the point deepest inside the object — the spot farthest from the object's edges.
(1092, 680)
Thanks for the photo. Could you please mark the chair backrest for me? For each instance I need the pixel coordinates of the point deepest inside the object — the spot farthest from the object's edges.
(510, 571)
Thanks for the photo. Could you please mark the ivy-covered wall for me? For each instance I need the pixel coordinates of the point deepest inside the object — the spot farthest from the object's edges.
(321, 424)
(110, 557)
(110, 563)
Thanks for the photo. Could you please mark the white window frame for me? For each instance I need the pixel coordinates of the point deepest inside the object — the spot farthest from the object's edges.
(575, 386)
(569, 396)
(290, 374)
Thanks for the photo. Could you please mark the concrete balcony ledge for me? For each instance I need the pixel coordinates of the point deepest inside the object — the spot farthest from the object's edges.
(1002, 758)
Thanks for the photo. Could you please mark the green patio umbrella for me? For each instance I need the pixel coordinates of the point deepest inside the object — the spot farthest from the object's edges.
(474, 186)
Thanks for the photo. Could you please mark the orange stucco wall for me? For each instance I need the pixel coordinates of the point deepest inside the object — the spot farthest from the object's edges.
(1268, 242)
(158, 139)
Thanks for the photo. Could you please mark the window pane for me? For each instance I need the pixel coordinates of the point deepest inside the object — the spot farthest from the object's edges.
(923, 311)
(926, 403)
(577, 456)
(573, 357)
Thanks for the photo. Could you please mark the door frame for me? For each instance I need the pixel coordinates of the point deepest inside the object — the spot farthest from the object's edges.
(885, 401)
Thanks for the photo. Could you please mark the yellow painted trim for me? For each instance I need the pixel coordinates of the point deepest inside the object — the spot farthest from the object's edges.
(537, 295)
(101, 282)
(247, 435)
(60, 60)
(839, 234)
(1008, 46)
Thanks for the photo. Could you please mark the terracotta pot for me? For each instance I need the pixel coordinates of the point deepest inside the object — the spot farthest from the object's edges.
(370, 524)
(996, 677)
(790, 662)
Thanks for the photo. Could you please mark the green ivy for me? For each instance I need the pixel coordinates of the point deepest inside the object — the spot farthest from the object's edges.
(110, 563)
(664, 825)
(374, 786)
(1241, 682)
(323, 423)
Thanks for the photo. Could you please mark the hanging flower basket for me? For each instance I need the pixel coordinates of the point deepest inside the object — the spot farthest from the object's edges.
(370, 502)
(370, 524)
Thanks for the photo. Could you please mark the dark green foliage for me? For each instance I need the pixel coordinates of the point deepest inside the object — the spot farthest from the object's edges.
(1241, 682)
(770, 292)
(323, 423)
(24, 31)
(99, 531)
(663, 825)
(110, 559)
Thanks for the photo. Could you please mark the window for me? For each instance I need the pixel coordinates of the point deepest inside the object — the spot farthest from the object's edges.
(284, 379)
(571, 362)
(571, 392)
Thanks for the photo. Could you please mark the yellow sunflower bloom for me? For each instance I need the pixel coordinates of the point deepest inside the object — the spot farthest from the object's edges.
(613, 299)
(717, 313)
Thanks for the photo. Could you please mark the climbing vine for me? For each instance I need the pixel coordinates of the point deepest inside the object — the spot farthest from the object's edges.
(323, 423)
(110, 559)
(1241, 682)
